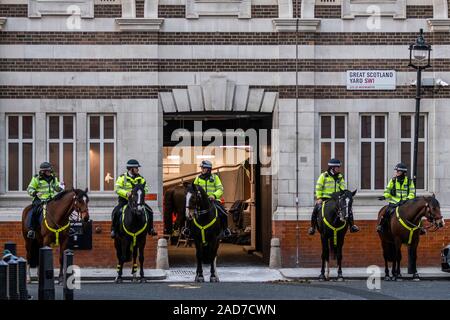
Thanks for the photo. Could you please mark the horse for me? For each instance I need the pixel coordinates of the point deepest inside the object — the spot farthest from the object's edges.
(332, 225)
(205, 229)
(403, 227)
(132, 236)
(54, 227)
(174, 202)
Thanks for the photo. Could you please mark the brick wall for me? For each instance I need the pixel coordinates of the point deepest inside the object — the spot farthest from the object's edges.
(360, 249)
(103, 253)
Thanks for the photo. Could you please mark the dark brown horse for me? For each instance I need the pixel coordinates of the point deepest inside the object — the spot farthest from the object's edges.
(403, 227)
(54, 228)
(174, 203)
(205, 229)
(132, 237)
(332, 225)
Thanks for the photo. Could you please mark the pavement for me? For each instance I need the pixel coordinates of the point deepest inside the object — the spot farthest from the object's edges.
(247, 274)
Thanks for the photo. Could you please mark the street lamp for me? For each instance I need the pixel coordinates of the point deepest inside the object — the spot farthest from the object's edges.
(419, 59)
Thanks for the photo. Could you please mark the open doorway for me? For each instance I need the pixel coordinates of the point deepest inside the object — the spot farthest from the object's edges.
(228, 141)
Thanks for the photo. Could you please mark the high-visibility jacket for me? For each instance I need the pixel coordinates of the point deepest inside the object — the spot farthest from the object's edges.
(326, 185)
(40, 188)
(125, 184)
(396, 192)
(213, 186)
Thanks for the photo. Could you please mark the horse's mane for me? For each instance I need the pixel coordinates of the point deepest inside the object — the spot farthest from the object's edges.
(80, 194)
(336, 195)
(60, 195)
(434, 202)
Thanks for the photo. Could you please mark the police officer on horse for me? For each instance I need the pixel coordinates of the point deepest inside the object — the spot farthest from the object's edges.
(124, 186)
(329, 182)
(213, 187)
(399, 189)
(42, 188)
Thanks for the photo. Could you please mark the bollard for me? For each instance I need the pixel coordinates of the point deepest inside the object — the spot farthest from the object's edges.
(22, 274)
(46, 277)
(3, 280)
(68, 262)
(275, 254)
(162, 256)
(13, 290)
(11, 246)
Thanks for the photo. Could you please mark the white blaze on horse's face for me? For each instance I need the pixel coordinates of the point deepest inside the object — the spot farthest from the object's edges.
(188, 198)
(347, 204)
(139, 193)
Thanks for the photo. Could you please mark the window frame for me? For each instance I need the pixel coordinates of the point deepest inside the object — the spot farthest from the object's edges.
(61, 141)
(373, 141)
(411, 141)
(20, 141)
(333, 140)
(101, 141)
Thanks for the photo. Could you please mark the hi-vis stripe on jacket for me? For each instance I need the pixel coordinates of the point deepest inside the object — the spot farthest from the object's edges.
(212, 186)
(401, 192)
(326, 185)
(125, 183)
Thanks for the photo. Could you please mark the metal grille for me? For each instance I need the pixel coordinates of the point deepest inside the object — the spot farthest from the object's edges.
(328, 2)
(182, 272)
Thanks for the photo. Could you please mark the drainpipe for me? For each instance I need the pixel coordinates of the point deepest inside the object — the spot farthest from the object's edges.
(297, 228)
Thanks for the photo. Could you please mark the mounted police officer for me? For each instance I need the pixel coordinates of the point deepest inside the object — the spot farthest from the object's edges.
(213, 187)
(399, 189)
(43, 187)
(329, 182)
(124, 186)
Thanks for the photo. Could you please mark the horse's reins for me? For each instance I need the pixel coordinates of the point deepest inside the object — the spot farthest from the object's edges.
(198, 212)
(58, 227)
(329, 225)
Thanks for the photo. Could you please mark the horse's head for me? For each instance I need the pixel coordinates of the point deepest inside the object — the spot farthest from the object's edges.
(344, 202)
(136, 200)
(81, 201)
(433, 211)
(196, 201)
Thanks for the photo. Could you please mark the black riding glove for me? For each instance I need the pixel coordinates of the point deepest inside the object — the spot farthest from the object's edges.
(382, 198)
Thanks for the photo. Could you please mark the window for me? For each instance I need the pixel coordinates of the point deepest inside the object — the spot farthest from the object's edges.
(373, 151)
(333, 140)
(407, 129)
(101, 147)
(61, 147)
(19, 151)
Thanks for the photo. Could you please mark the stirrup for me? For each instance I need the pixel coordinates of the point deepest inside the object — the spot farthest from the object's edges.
(354, 228)
(186, 232)
(113, 234)
(311, 231)
(31, 234)
(226, 233)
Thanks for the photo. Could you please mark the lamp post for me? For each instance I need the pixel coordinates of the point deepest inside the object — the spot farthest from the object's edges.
(419, 59)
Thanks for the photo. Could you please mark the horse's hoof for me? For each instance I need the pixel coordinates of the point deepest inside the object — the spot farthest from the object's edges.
(416, 277)
(387, 278)
(199, 279)
(322, 277)
(394, 278)
(340, 278)
(214, 279)
(118, 280)
(142, 280)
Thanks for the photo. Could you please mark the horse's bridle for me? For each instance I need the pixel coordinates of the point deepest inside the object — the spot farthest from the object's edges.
(341, 208)
(430, 217)
(197, 211)
(76, 207)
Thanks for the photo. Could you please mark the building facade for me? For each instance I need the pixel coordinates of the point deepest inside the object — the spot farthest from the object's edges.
(85, 84)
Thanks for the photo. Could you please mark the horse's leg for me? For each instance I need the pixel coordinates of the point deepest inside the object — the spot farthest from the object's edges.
(398, 257)
(199, 273)
(62, 246)
(141, 262)
(339, 259)
(119, 261)
(324, 257)
(214, 277)
(413, 257)
(134, 267)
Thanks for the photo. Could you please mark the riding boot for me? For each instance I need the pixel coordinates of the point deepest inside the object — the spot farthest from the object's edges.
(314, 214)
(150, 230)
(224, 222)
(353, 227)
(34, 219)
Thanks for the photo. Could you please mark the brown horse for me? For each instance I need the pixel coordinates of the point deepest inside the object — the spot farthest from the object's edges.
(54, 227)
(403, 227)
(174, 202)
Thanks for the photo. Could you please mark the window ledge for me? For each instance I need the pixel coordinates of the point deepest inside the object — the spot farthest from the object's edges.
(290, 24)
(439, 25)
(139, 24)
